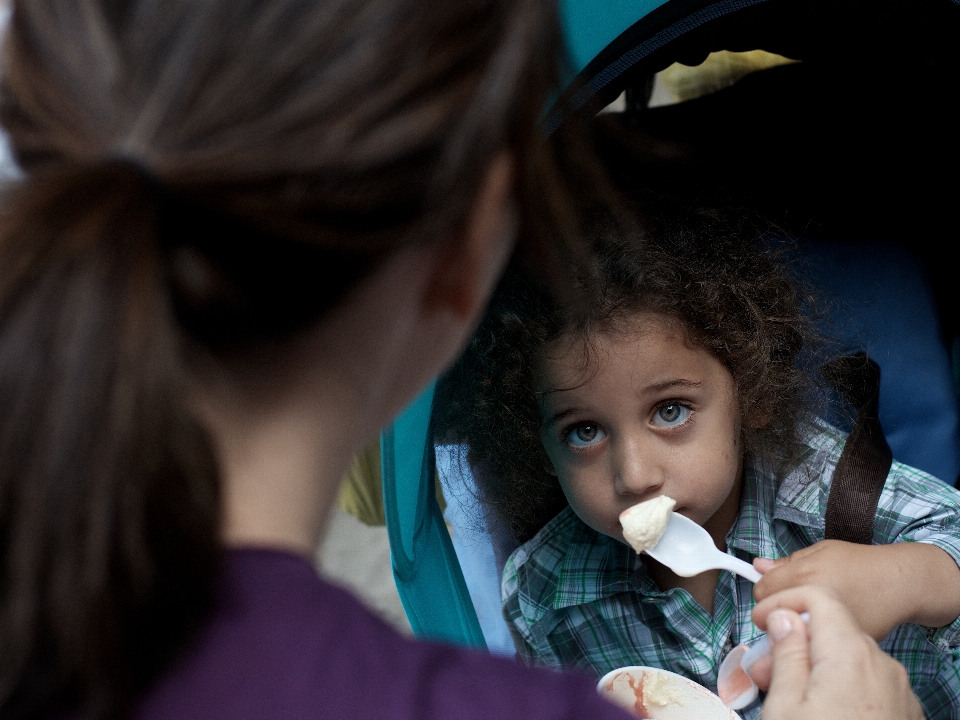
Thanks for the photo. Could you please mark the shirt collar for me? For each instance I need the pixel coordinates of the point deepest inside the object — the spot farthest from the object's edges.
(798, 498)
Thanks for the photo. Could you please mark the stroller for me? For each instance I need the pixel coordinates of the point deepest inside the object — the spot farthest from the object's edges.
(853, 149)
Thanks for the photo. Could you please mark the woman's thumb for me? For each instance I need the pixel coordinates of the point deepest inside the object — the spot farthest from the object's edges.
(791, 661)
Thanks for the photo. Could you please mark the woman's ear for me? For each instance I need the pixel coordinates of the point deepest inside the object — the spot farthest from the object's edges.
(469, 264)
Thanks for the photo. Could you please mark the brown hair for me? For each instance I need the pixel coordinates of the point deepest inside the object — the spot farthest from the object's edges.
(212, 176)
(704, 268)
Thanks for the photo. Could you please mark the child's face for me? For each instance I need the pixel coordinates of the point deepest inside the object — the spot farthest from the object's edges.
(649, 415)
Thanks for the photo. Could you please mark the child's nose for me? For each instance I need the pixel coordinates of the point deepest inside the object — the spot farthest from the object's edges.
(636, 473)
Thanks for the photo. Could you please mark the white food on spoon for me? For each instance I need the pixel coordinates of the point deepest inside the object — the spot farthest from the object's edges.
(644, 523)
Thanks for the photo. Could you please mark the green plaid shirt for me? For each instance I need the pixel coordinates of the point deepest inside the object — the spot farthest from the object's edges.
(576, 598)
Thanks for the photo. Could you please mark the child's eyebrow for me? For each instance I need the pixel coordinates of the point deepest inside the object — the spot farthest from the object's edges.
(560, 415)
(658, 387)
(679, 382)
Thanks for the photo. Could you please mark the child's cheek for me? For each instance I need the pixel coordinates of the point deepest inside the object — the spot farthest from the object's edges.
(594, 502)
(708, 480)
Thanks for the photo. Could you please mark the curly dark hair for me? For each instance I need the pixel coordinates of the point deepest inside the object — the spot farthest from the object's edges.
(710, 270)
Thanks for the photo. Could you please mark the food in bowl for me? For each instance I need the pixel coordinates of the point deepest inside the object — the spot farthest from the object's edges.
(657, 694)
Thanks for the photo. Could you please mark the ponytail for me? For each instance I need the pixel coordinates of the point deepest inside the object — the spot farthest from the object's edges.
(108, 485)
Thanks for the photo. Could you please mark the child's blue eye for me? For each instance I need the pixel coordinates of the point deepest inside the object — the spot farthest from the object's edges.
(671, 415)
(585, 436)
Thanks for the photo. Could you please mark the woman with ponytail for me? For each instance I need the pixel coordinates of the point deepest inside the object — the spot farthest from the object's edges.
(246, 234)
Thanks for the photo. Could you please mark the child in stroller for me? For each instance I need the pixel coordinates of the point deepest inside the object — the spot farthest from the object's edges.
(676, 372)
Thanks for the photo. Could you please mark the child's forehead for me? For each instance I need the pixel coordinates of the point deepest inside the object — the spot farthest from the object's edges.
(576, 356)
(627, 326)
(623, 330)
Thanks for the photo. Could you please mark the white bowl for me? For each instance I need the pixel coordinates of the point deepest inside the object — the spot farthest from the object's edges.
(625, 687)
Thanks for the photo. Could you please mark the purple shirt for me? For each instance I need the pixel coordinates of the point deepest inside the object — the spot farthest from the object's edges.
(282, 643)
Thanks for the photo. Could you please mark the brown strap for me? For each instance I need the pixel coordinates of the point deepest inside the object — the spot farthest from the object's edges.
(866, 458)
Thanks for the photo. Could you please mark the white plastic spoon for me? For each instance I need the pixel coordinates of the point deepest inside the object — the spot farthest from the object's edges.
(687, 549)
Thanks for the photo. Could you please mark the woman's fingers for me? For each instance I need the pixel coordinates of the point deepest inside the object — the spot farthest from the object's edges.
(827, 611)
(762, 671)
(790, 674)
(830, 669)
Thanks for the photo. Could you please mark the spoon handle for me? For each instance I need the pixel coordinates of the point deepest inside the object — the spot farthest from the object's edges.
(738, 566)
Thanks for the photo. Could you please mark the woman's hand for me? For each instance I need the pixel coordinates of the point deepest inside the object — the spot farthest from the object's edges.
(883, 585)
(830, 670)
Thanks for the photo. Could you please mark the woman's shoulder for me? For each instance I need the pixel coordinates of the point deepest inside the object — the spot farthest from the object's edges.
(283, 643)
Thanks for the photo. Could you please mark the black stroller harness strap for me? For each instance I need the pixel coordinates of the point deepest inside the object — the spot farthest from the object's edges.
(866, 458)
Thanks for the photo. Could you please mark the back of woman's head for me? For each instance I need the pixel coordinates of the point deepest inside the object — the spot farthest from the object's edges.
(706, 270)
(209, 175)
